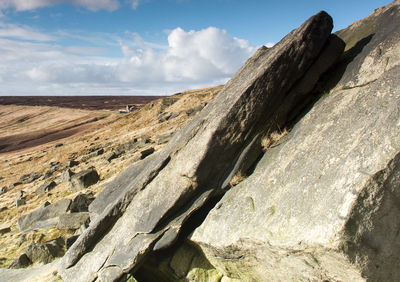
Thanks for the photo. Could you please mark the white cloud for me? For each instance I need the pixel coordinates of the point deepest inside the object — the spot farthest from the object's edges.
(94, 5)
(22, 32)
(191, 59)
(135, 4)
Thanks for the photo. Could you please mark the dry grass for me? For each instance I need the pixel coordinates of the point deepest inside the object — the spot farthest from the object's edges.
(237, 178)
(109, 133)
(269, 139)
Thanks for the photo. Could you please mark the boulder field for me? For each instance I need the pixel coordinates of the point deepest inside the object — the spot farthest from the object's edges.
(291, 173)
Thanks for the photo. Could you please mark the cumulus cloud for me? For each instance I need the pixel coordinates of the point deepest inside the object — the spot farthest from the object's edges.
(94, 5)
(191, 59)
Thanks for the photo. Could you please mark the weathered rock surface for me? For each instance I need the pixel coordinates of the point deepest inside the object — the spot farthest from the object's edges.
(81, 203)
(84, 179)
(42, 273)
(149, 210)
(45, 188)
(20, 262)
(44, 213)
(66, 176)
(73, 220)
(324, 204)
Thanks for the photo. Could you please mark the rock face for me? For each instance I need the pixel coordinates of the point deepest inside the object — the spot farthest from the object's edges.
(324, 204)
(73, 220)
(148, 211)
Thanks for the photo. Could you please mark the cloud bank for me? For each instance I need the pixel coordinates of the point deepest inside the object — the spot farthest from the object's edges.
(93, 5)
(33, 63)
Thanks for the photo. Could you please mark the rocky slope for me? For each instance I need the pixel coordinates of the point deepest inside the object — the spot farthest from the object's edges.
(290, 173)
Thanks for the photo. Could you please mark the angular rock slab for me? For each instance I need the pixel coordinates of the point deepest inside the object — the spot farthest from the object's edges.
(44, 213)
(324, 205)
(197, 159)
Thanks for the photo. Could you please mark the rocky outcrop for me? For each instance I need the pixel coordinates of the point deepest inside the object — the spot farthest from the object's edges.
(324, 203)
(147, 213)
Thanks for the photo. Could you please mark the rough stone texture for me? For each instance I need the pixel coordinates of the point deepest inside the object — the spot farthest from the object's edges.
(84, 179)
(324, 205)
(195, 163)
(66, 176)
(146, 153)
(71, 163)
(45, 188)
(40, 253)
(70, 241)
(42, 273)
(3, 190)
(44, 213)
(73, 220)
(20, 262)
(81, 203)
(20, 202)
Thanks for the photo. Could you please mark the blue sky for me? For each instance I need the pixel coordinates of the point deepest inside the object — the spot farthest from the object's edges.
(144, 47)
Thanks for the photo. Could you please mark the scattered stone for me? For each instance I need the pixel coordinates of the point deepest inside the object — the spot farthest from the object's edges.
(20, 202)
(84, 179)
(58, 145)
(41, 252)
(167, 116)
(70, 241)
(5, 230)
(45, 204)
(29, 178)
(20, 194)
(44, 213)
(110, 156)
(99, 152)
(146, 153)
(81, 203)
(3, 209)
(49, 172)
(21, 262)
(145, 140)
(66, 176)
(3, 190)
(45, 188)
(73, 220)
(71, 163)
(55, 163)
(15, 184)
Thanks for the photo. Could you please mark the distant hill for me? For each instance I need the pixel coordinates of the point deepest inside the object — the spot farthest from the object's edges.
(79, 102)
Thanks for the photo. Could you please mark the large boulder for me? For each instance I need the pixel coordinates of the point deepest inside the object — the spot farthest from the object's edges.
(148, 211)
(44, 213)
(84, 179)
(324, 203)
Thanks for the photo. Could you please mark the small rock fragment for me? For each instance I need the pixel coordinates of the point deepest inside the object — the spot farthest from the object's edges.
(45, 188)
(146, 153)
(20, 262)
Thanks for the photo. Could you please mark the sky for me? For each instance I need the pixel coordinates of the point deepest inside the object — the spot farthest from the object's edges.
(144, 47)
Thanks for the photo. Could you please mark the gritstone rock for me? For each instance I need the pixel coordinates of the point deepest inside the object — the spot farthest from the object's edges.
(196, 162)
